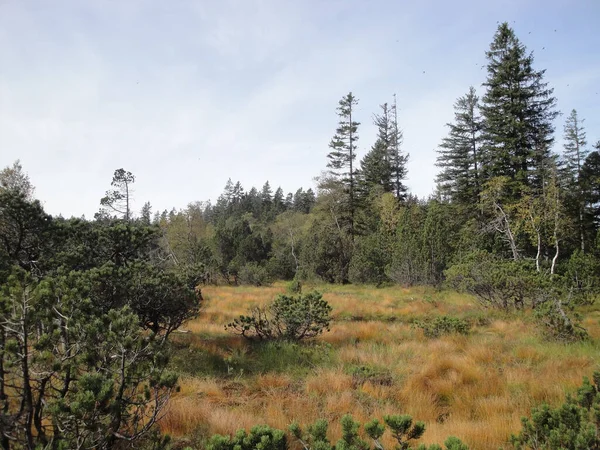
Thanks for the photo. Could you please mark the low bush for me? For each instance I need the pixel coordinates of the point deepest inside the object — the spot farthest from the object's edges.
(252, 273)
(559, 322)
(581, 277)
(442, 325)
(362, 374)
(289, 317)
(575, 425)
(498, 283)
(295, 286)
(261, 437)
(510, 285)
(402, 427)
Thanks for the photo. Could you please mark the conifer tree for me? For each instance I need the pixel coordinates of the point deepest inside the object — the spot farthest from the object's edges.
(146, 213)
(397, 158)
(118, 200)
(590, 182)
(15, 179)
(237, 193)
(459, 153)
(376, 166)
(574, 155)
(518, 110)
(278, 201)
(343, 152)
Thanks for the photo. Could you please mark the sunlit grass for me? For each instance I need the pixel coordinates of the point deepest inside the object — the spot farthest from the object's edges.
(372, 363)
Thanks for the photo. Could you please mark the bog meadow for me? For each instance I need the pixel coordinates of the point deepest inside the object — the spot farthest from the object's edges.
(351, 316)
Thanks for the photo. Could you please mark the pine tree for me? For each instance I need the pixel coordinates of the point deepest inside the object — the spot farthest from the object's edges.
(590, 182)
(266, 199)
(278, 201)
(266, 194)
(119, 199)
(397, 158)
(15, 179)
(574, 156)
(146, 213)
(343, 152)
(375, 168)
(289, 201)
(518, 110)
(237, 193)
(459, 153)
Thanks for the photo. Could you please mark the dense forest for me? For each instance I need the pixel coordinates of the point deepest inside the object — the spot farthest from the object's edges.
(87, 306)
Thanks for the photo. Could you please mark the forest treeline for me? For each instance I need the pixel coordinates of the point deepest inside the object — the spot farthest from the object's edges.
(503, 188)
(87, 306)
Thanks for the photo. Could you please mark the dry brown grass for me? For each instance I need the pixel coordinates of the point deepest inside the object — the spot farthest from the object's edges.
(475, 387)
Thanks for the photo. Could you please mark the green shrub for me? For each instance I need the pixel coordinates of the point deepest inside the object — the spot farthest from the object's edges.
(362, 374)
(295, 286)
(442, 325)
(260, 437)
(559, 322)
(252, 273)
(572, 426)
(289, 318)
(581, 277)
(402, 428)
(498, 283)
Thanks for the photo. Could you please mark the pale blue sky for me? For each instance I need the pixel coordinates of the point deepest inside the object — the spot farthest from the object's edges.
(186, 94)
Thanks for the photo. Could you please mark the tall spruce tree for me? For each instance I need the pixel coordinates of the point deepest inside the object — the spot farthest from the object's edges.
(343, 152)
(574, 156)
(459, 153)
(518, 110)
(590, 181)
(376, 166)
(397, 158)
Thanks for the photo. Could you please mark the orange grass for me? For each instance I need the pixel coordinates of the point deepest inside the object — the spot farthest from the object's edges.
(475, 387)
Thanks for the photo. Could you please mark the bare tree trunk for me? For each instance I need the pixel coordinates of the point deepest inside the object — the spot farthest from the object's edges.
(557, 250)
(293, 251)
(351, 139)
(538, 255)
(509, 234)
(4, 441)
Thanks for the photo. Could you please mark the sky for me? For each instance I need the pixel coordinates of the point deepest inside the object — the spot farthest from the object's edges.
(186, 94)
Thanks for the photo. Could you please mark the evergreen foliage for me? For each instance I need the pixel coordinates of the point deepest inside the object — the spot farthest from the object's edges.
(288, 317)
(459, 156)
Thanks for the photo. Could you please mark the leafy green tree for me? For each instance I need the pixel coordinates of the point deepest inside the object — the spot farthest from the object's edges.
(289, 230)
(343, 153)
(518, 111)
(459, 156)
(118, 199)
(329, 251)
